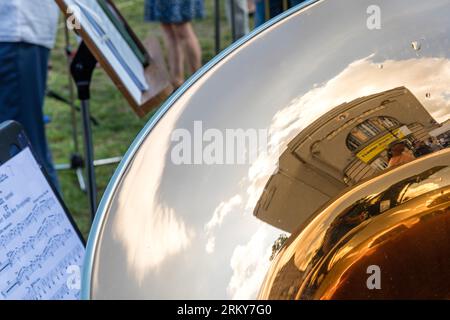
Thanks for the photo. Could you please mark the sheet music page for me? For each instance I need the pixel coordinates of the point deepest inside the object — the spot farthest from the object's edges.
(40, 253)
(110, 42)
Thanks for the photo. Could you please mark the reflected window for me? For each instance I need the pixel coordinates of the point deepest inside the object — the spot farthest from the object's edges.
(369, 129)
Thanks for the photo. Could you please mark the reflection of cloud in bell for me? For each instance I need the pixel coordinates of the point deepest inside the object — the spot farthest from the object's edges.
(149, 229)
(250, 263)
(166, 236)
(427, 78)
(219, 215)
(210, 244)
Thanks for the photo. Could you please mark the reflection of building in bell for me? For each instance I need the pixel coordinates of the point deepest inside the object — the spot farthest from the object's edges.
(338, 150)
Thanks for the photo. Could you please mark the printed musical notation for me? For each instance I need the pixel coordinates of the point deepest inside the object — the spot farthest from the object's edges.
(39, 288)
(37, 211)
(38, 244)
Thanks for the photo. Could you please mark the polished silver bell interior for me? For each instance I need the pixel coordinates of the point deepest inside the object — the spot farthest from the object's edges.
(349, 105)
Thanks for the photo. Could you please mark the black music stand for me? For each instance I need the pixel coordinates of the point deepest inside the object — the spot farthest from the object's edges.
(96, 20)
(81, 69)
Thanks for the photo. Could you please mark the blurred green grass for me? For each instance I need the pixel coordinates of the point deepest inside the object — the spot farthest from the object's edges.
(118, 124)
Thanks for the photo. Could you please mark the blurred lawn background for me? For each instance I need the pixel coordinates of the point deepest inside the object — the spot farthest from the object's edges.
(118, 124)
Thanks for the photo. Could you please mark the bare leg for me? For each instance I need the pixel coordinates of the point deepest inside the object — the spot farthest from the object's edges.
(175, 54)
(186, 35)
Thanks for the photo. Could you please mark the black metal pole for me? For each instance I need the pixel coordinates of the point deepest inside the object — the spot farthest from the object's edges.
(217, 25)
(82, 68)
(233, 19)
(89, 155)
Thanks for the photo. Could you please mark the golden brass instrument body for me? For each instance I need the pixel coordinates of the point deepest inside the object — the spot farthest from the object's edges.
(398, 221)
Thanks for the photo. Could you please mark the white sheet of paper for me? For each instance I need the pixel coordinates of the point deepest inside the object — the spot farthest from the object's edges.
(40, 253)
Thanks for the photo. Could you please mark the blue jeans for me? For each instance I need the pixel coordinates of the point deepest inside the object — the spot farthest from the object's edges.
(276, 7)
(23, 77)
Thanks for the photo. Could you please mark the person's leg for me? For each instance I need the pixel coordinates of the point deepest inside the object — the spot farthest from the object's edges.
(276, 7)
(251, 6)
(9, 81)
(23, 78)
(243, 22)
(186, 35)
(175, 54)
(263, 13)
(260, 12)
(241, 16)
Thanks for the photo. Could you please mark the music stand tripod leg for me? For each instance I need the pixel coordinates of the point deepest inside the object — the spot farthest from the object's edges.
(80, 177)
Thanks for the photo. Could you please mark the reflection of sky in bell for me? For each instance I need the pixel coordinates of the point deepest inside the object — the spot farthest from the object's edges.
(301, 70)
